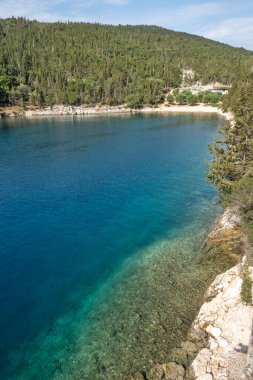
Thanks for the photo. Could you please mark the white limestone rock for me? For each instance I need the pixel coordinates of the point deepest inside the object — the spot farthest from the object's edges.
(207, 376)
(213, 331)
(228, 322)
(199, 365)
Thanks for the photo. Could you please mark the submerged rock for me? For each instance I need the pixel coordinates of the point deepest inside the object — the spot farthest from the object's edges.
(155, 373)
(173, 371)
(137, 376)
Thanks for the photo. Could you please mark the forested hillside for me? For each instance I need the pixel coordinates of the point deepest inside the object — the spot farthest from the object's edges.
(79, 63)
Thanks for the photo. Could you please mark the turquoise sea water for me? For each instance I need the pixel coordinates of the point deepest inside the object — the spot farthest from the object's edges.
(100, 220)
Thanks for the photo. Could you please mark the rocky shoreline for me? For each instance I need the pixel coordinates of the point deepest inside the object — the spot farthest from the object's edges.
(224, 319)
(217, 346)
(11, 113)
(61, 110)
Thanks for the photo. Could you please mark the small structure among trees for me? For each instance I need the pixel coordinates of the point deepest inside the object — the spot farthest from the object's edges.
(221, 88)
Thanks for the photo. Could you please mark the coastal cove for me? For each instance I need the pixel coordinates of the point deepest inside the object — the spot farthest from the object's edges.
(109, 214)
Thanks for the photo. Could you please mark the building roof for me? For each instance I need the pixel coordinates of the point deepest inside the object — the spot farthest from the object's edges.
(219, 86)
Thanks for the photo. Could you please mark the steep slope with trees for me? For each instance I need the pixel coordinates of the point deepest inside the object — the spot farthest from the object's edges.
(232, 165)
(80, 63)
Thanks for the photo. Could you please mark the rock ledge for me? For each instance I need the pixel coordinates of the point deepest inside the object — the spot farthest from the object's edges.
(224, 318)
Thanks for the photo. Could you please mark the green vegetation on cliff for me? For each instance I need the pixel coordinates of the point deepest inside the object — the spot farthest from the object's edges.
(247, 289)
(232, 165)
(80, 63)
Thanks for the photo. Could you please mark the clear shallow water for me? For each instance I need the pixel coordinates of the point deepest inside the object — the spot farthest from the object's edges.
(100, 219)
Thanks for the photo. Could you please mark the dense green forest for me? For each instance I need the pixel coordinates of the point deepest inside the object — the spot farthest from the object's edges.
(232, 165)
(80, 63)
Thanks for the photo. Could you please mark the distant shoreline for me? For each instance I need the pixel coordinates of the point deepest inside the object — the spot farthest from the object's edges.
(62, 110)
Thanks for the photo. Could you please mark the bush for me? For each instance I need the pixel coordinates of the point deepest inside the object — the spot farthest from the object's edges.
(250, 231)
(246, 292)
(135, 101)
(192, 99)
(181, 98)
(209, 97)
(170, 99)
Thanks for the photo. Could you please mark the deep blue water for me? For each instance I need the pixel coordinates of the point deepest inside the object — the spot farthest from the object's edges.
(79, 196)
